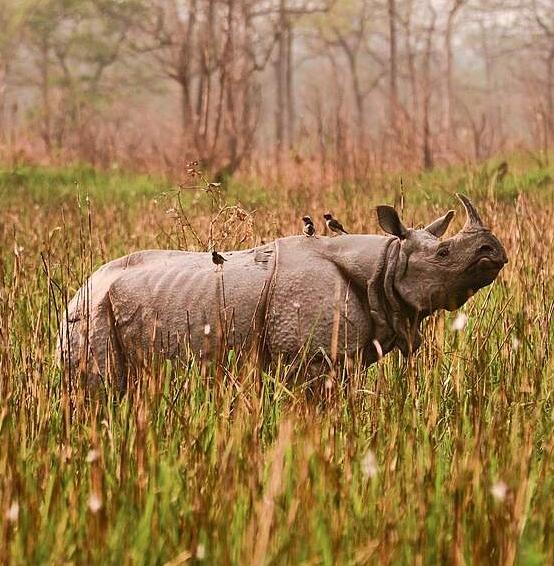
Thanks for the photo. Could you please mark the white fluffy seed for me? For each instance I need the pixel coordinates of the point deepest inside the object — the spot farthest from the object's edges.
(369, 465)
(95, 502)
(12, 514)
(93, 455)
(459, 323)
(200, 552)
(499, 490)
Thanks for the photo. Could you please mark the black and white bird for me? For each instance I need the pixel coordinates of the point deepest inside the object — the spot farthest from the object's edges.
(218, 259)
(333, 224)
(309, 228)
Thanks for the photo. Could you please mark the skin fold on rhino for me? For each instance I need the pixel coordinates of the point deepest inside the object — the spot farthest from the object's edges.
(358, 295)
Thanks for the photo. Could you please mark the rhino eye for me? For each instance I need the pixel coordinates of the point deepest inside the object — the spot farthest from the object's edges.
(443, 252)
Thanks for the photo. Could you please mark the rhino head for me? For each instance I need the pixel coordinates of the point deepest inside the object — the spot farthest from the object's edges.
(436, 274)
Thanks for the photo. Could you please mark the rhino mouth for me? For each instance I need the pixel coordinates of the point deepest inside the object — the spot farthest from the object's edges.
(480, 273)
(483, 271)
(486, 266)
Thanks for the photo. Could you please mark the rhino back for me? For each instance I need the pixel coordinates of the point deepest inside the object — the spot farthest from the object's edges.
(160, 300)
(181, 299)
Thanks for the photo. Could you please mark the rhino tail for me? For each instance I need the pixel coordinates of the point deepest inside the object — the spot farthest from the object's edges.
(88, 347)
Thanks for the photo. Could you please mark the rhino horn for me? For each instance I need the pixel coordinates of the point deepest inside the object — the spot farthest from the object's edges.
(473, 220)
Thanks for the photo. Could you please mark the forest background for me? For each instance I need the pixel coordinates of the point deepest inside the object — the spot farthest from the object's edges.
(336, 88)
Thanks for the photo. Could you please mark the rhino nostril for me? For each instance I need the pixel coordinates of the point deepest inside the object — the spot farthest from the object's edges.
(486, 249)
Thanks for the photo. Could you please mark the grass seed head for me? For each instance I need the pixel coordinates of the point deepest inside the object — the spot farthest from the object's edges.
(12, 514)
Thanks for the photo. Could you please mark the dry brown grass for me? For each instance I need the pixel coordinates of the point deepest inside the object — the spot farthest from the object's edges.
(448, 458)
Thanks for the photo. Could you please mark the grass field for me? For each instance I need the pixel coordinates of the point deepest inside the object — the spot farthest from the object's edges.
(446, 458)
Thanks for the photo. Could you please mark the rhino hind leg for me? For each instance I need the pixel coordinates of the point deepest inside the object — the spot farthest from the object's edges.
(117, 365)
(89, 349)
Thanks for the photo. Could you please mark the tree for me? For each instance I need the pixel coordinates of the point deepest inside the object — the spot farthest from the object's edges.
(541, 16)
(349, 32)
(427, 157)
(12, 20)
(215, 53)
(73, 44)
(453, 10)
(393, 65)
(286, 16)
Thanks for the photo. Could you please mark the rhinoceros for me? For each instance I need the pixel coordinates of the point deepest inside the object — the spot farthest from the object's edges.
(359, 295)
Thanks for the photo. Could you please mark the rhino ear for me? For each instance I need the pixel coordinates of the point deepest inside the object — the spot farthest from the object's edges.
(390, 221)
(440, 225)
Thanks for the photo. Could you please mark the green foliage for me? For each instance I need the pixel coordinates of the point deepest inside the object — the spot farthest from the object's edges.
(80, 39)
(52, 185)
(12, 18)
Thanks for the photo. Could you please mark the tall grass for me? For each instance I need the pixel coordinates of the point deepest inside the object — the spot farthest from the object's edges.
(447, 457)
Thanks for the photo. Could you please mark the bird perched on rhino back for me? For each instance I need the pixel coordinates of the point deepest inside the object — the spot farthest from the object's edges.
(359, 296)
(333, 224)
(218, 260)
(309, 228)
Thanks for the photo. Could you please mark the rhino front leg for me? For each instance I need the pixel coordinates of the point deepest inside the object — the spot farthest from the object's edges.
(318, 371)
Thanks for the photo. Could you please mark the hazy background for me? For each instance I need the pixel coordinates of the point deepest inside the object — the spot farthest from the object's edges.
(339, 88)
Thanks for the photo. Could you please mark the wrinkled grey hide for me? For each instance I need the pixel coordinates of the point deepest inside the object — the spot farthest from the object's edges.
(359, 294)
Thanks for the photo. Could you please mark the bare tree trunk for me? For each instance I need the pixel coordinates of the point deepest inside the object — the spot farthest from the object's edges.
(184, 74)
(45, 93)
(281, 85)
(412, 72)
(448, 72)
(320, 128)
(359, 104)
(208, 59)
(427, 151)
(358, 95)
(393, 66)
(232, 117)
(550, 96)
(447, 101)
(3, 79)
(291, 116)
(426, 127)
(487, 59)
(186, 121)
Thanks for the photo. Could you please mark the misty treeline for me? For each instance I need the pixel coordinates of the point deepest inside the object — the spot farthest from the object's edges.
(344, 86)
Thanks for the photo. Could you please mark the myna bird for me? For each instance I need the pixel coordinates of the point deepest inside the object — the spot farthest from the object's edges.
(333, 224)
(218, 259)
(309, 228)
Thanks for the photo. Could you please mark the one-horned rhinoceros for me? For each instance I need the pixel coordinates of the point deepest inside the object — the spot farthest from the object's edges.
(359, 295)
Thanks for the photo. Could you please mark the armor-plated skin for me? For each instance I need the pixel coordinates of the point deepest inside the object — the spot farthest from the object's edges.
(361, 295)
